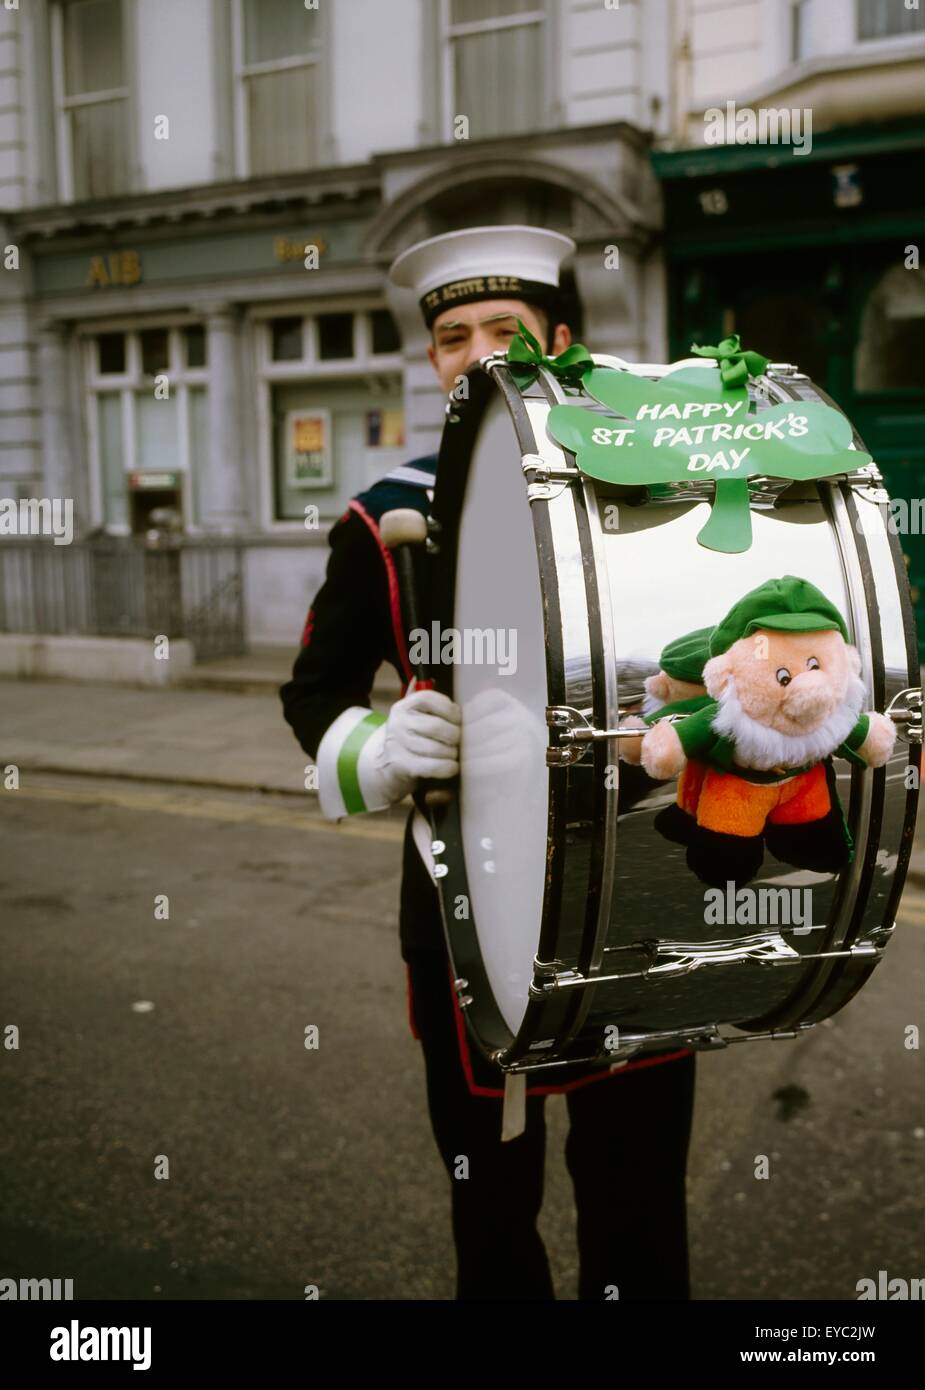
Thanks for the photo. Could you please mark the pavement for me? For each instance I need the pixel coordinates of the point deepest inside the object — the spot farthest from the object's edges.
(263, 671)
(226, 731)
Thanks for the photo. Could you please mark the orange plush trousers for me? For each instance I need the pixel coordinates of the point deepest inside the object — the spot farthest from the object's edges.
(732, 806)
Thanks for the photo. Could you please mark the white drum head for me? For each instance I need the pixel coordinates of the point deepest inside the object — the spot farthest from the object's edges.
(500, 682)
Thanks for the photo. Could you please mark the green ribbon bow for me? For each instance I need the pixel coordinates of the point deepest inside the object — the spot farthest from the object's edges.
(735, 365)
(569, 366)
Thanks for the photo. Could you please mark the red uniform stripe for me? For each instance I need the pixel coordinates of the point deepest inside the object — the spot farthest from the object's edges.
(413, 1025)
(394, 602)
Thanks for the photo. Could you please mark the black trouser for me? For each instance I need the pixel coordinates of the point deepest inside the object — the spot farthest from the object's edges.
(626, 1153)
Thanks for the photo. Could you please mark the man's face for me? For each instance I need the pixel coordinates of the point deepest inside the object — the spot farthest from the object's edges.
(461, 335)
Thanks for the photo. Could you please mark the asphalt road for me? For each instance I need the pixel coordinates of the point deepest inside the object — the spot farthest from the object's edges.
(142, 1037)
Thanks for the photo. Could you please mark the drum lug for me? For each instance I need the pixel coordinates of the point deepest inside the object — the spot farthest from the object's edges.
(491, 360)
(460, 985)
(573, 733)
(866, 487)
(905, 710)
(437, 847)
(550, 975)
(866, 948)
(545, 481)
(869, 474)
(544, 492)
(787, 369)
(563, 721)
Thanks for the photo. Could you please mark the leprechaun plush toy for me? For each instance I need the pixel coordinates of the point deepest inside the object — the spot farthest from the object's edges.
(676, 688)
(785, 695)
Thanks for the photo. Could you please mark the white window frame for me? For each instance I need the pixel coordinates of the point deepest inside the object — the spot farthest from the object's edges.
(832, 45)
(128, 385)
(796, 12)
(242, 70)
(880, 38)
(308, 369)
(448, 32)
(64, 105)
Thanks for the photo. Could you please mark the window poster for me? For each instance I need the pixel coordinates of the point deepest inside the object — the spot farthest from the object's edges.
(309, 459)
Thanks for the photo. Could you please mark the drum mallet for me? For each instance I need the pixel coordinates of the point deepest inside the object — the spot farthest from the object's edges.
(403, 531)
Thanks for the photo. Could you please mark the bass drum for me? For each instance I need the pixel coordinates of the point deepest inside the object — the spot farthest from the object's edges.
(576, 932)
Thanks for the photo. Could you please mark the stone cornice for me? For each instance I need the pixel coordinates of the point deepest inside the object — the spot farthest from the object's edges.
(319, 191)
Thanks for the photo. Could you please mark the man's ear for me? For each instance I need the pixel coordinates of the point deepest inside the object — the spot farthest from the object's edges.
(717, 674)
(432, 355)
(561, 339)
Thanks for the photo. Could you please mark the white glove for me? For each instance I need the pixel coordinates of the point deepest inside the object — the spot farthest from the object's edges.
(420, 738)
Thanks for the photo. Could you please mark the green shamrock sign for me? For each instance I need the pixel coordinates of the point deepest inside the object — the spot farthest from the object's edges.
(695, 423)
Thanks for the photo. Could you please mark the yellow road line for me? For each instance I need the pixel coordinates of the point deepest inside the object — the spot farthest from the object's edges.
(210, 809)
(912, 904)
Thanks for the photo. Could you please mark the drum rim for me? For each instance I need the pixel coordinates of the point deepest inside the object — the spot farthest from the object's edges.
(471, 980)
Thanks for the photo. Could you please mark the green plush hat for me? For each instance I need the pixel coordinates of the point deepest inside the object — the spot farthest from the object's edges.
(786, 605)
(684, 658)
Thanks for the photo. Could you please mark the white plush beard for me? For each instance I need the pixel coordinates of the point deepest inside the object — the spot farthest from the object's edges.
(650, 703)
(762, 748)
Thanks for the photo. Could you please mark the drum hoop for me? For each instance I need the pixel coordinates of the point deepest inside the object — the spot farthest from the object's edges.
(549, 1022)
(486, 1024)
(605, 699)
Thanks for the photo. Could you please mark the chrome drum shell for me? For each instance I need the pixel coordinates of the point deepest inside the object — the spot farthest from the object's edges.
(625, 963)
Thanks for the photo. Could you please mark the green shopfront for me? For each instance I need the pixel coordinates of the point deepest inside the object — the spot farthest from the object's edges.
(814, 259)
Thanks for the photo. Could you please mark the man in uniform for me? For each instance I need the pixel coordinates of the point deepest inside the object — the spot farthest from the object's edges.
(629, 1128)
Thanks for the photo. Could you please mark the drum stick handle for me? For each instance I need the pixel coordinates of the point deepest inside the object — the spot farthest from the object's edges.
(404, 532)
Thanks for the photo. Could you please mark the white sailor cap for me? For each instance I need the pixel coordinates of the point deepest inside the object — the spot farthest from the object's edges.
(506, 262)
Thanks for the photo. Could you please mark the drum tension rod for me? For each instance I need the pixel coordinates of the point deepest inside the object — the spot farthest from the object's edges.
(677, 958)
(543, 472)
(703, 1038)
(573, 731)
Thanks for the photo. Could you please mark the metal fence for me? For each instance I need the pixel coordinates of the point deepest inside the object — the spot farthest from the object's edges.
(124, 587)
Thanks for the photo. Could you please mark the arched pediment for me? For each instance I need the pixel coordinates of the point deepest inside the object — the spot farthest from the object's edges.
(462, 189)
